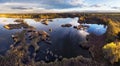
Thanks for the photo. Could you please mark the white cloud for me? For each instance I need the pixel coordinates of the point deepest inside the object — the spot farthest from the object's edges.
(76, 2)
(10, 5)
(53, 6)
(16, 7)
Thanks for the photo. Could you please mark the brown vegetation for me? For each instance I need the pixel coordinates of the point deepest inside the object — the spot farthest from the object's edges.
(97, 45)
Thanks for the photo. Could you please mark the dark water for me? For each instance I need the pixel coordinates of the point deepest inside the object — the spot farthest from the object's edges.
(65, 41)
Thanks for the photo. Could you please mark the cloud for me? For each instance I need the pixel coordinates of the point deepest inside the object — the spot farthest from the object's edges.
(55, 4)
(43, 6)
(15, 4)
(23, 8)
(20, 8)
(12, 7)
(116, 8)
(98, 5)
(76, 2)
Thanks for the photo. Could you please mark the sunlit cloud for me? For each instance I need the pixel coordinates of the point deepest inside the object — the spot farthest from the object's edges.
(45, 6)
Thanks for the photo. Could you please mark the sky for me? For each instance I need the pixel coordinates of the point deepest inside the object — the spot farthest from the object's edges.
(54, 6)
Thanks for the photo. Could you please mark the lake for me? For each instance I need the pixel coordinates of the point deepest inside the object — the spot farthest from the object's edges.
(64, 40)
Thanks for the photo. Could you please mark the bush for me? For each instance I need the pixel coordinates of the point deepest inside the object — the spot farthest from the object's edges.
(112, 51)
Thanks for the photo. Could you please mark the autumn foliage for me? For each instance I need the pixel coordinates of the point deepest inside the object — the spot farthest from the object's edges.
(112, 51)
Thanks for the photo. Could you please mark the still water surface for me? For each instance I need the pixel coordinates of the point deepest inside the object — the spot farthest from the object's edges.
(65, 40)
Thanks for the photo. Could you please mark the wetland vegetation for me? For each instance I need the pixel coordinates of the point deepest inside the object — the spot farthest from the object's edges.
(60, 39)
